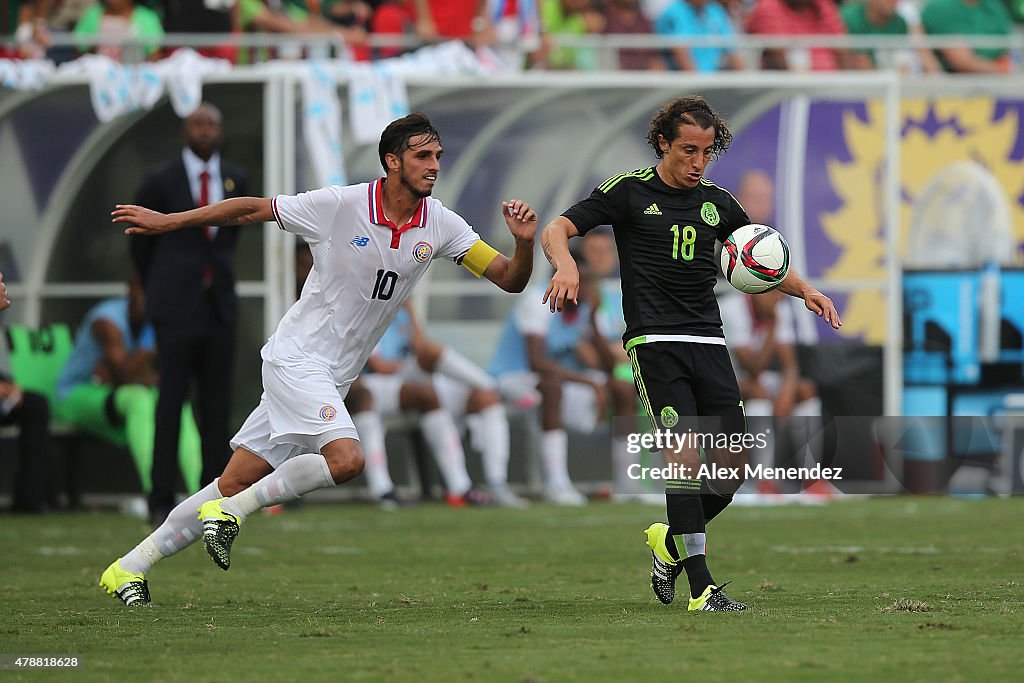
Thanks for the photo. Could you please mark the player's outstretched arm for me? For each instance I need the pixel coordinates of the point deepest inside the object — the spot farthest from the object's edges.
(512, 274)
(4, 300)
(815, 301)
(234, 211)
(565, 283)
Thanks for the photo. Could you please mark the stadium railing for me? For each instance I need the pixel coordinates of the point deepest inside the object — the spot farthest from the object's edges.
(606, 46)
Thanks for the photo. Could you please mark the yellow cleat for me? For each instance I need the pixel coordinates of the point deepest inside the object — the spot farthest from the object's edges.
(714, 599)
(132, 589)
(219, 531)
(665, 570)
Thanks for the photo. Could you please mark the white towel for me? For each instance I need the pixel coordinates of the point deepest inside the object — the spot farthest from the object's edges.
(183, 72)
(25, 74)
(321, 124)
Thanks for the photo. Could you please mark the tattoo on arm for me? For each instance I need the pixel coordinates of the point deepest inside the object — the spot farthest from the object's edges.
(546, 248)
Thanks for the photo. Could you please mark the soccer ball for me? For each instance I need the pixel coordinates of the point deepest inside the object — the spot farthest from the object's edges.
(755, 258)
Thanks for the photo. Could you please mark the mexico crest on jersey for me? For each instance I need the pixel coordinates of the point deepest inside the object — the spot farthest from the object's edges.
(422, 252)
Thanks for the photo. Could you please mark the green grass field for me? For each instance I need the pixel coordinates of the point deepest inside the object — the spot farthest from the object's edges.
(914, 589)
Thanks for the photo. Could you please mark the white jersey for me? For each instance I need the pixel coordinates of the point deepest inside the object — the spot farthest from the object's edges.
(364, 268)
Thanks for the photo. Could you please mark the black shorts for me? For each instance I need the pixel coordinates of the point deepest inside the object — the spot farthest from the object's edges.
(680, 381)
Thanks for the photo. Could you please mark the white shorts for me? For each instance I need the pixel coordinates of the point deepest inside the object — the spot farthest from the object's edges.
(386, 389)
(300, 411)
(579, 402)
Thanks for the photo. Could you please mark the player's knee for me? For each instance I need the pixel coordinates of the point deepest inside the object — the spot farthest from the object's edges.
(345, 461)
(229, 484)
(418, 397)
(429, 400)
(428, 356)
(806, 390)
(482, 399)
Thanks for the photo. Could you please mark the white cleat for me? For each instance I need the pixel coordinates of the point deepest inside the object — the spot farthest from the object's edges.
(564, 495)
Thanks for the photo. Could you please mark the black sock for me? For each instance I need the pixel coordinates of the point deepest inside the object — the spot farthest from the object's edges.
(713, 504)
(686, 516)
(697, 574)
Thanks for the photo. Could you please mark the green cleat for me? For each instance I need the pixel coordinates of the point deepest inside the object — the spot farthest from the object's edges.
(714, 599)
(666, 569)
(219, 531)
(132, 589)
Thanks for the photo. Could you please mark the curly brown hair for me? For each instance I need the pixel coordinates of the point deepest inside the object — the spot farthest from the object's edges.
(693, 110)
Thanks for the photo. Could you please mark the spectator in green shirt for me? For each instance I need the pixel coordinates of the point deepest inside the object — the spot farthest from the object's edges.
(887, 18)
(119, 19)
(971, 18)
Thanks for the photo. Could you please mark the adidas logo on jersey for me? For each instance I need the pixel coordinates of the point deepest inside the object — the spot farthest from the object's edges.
(360, 241)
(652, 210)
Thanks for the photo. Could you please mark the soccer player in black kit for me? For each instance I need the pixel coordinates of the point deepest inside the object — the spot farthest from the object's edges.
(666, 219)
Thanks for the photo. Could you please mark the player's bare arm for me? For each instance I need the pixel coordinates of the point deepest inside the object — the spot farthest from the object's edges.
(512, 274)
(4, 300)
(234, 211)
(565, 283)
(124, 367)
(815, 301)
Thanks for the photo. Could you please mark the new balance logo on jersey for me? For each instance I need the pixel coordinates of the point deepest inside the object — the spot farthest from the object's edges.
(360, 241)
(652, 210)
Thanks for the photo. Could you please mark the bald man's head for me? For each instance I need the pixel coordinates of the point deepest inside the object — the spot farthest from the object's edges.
(757, 195)
(202, 131)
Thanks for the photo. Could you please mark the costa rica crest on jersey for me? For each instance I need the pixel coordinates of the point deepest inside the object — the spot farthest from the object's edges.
(422, 252)
(328, 413)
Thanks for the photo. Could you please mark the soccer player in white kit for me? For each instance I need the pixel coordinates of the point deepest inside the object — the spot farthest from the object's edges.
(371, 244)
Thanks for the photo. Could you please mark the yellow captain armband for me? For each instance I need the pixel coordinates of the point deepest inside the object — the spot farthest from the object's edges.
(478, 257)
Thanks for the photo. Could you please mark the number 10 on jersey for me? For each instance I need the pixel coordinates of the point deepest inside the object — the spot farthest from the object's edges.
(683, 248)
(384, 287)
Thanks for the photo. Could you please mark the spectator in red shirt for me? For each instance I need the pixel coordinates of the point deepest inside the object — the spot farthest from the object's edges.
(438, 20)
(799, 17)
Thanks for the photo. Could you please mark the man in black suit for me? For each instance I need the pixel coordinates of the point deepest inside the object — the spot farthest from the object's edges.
(189, 277)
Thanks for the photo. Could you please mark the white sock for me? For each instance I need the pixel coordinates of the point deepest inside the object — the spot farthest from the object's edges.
(293, 479)
(693, 544)
(371, 438)
(807, 428)
(442, 436)
(489, 431)
(621, 460)
(181, 529)
(809, 408)
(455, 365)
(554, 449)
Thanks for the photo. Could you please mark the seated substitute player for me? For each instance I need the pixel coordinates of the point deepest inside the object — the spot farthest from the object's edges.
(371, 244)
(762, 338)
(404, 363)
(598, 252)
(666, 219)
(538, 351)
(108, 385)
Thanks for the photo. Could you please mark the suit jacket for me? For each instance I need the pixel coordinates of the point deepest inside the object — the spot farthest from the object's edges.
(172, 265)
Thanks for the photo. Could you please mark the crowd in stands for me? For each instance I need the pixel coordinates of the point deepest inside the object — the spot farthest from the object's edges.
(530, 33)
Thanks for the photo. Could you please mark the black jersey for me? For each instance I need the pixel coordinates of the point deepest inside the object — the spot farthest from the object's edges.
(666, 241)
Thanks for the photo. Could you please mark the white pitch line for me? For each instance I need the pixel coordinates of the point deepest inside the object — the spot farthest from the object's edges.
(883, 550)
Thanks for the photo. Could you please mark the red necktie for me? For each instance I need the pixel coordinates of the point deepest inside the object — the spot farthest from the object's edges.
(204, 199)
